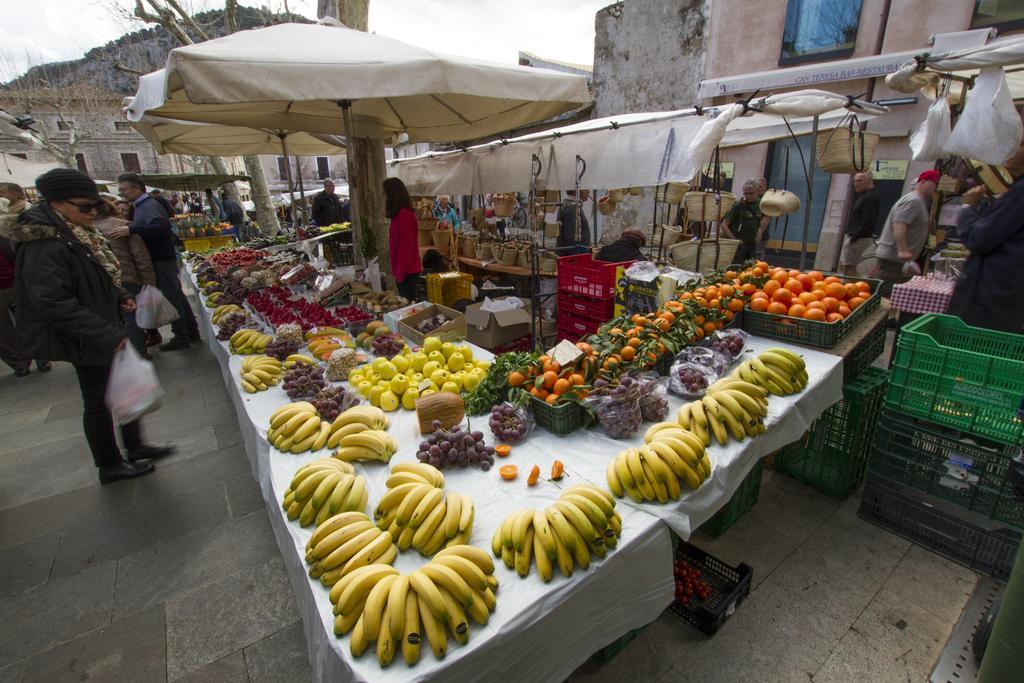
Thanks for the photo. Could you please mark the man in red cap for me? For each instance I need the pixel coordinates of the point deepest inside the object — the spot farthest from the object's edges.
(905, 232)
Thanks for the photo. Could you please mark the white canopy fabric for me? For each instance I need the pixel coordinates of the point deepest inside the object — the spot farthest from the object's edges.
(914, 76)
(644, 149)
(292, 76)
(17, 170)
(169, 136)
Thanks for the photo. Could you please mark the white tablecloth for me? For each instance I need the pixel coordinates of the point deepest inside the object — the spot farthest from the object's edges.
(539, 631)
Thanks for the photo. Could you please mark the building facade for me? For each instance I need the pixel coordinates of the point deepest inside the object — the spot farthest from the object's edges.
(721, 50)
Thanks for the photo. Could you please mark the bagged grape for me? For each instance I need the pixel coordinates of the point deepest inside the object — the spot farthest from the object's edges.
(717, 363)
(653, 398)
(729, 343)
(510, 423)
(689, 379)
(617, 407)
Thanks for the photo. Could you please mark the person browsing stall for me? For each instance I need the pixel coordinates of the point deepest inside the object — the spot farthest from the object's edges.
(860, 227)
(905, 232)
(327, 208)
(403, 237)
(626, 248)
(444, 211)
(745, 222)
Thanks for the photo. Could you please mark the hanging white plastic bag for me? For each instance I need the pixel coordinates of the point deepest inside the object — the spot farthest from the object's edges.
(133, 388)
(153, 310)
(989, 129)
(931, 136)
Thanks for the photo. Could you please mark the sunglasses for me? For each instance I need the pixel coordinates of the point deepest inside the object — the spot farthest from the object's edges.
(87, 207)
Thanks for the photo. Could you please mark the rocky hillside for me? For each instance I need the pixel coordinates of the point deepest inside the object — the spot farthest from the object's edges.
(144, 50)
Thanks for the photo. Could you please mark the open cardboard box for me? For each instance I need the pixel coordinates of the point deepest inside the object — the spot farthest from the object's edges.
(491, 330)
(453, 330)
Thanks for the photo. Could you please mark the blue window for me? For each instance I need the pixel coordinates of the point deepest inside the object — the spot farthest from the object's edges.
(1005, 14)
(819, 29)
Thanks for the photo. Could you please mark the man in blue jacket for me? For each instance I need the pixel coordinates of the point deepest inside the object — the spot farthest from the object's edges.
(151, 222)
(988, 293)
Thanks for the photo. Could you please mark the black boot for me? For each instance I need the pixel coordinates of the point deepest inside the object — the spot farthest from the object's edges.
(175, 344)
(124, 470)
(150, 453)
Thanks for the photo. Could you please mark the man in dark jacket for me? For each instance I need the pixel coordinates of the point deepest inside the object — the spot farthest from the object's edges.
(69, 307)
(626, 248)
(151, 222)
(327, 208)
(863, 221)
(567, 237)
(163, 201)
(988, 293)
(233, 212)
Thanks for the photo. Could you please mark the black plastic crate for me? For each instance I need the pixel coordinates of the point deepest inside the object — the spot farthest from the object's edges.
(964, 537)
(833, 455)
(729, 585)
(965, 470)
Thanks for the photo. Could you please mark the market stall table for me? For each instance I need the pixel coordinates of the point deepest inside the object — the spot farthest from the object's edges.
(561, 623)
(923, 294)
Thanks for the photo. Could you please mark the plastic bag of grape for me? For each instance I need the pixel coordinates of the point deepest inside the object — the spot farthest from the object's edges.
(690, 379)
(617, 406)
(510, 423)
(729, 343)
(653, 397)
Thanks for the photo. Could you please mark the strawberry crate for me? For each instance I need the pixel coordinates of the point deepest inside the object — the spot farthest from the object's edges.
(726, 587)
(581, 275)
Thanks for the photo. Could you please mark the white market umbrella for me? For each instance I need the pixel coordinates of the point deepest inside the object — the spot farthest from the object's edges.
(22, 172)
(326, 78)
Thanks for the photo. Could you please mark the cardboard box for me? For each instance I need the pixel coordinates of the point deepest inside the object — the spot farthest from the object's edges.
(453, 330)
(491, 330)
(639, 296)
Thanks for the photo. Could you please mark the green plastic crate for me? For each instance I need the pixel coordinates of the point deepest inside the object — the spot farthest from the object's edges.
(561, 419)
(608, 652)
(740, 503)
(833, 455)
(865, 353)
(946, 464)
(811, 332)
(967, 378)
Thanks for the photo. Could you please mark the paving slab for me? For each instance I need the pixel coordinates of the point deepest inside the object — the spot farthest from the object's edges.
(59, 512)
(27, 564)
(751, 541)
(228, 433)
(648, 657)
(12, 673)
(244, 495)
(230, 669)
(175, 477)
(790, 507)
(227, 615)
(54, 612)
(933, 583)
(281, 656)
(135, 644)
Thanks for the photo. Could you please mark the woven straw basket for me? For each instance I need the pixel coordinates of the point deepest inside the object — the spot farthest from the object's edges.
(672, 193)
(845, 151)
(616, 195)
(483, 252)
(504, 205)
(779, 203)
(708, 206)
(685, 254)
(606, 206)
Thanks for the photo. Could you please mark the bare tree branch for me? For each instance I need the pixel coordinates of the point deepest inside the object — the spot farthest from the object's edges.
(190, 22)
(231, 15)
(128, 70)
(164, 18)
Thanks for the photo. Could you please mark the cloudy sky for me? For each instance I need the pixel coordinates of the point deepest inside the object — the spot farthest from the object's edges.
(54, 30)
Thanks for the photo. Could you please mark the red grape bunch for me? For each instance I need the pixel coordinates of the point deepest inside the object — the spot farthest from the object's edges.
(303, 381)
(455, 448)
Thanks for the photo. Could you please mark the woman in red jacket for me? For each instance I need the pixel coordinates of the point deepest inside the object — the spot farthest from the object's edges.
(403, 237)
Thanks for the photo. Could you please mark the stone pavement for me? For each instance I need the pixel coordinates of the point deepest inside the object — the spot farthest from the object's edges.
(176, 576)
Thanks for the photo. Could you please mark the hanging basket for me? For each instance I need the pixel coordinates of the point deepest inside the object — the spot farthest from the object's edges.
(467, 246)
(635, 191)
(504, 205)
(779, 203)
(700, 254)
(552, 229)
(707, 206)
(523, 258)
(552, 196)
(672, 193)
(606, 206)
(548, 262)
(476, 218)
(616, 195)
(845, 150)
(442, 239)
(483, 251)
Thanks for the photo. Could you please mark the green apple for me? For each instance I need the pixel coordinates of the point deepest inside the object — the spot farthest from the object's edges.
(409, 399)
(466, 352)
(399, 384)
(447, 349)
(388, 401)
(417, 360)
(401, 363)
(364, 388)
(375, 394)
(430, 367)
(439, 377)
(457, 378)
(387, 370)
(450, 387)
(431, 344)
(437, 357)
(470, 382)
(456, 361)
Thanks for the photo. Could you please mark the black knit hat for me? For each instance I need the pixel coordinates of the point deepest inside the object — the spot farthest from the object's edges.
(66, 183)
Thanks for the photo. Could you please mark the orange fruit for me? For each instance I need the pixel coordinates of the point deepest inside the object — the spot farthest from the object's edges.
(855, 302)
(817, 306)
(843, 310)
(709, 327)
(731, 274)
(729, 315)
(784, 296)
(539, 393)
(807, 297)
(508, 471)
(759, 304)
(794, 273)
(851, 290)
(727, 290)
(814, 314)
(816, 275)
(863, 286)
(806, 280)
(562, 385)
(832, 279)
(700, 333)
(516, 378)
(833, 317)
(818, 286)
(715, 303)
(634, 342)
(820, 294)
(735, 305)
(777, 307)
(780, 276)
(831, 304)
(836, 289)
(747, 289)
(628, 353)
(698, 320)
(763, 265)
(550, 400)
(757, 272)
(771, 287)
(794, 285)
(550, 377)
(797, 310)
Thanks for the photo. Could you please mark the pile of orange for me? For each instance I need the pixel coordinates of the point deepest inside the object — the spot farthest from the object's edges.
(546, 380)
(810, 295)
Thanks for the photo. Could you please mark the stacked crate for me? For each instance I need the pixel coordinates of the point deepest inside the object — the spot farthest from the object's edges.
(586, 295)
(945, 440)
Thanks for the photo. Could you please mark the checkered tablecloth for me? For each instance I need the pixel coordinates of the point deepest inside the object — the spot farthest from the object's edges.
(923, 294)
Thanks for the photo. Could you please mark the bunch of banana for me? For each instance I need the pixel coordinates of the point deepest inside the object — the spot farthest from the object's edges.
(297, 359)
(376, 603)
(780, 371)
(224, 310)
(369, 444)
(582, 522)
(355, 420)
(420, 514)
(259, 373)
(345, 543)
(653, 471)
(247, 341)
(297, 427)
(323, 488)
(730, 407)
(211, 300)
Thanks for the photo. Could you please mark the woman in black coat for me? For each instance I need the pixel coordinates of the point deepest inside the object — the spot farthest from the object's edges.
(69, 295)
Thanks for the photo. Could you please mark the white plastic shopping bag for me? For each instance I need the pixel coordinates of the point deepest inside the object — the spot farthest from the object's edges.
(989, 129)
(153, 310)
(133, 388)
(927, 141)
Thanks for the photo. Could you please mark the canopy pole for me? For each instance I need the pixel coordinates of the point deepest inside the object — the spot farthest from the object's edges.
(810, 195)
(350, 164)
(302, 190)
(288, 173)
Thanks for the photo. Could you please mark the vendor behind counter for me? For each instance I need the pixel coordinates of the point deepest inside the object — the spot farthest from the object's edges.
(626, 248)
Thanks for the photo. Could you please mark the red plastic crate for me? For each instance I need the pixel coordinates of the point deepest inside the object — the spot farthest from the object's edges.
(576, 329)
(581, 307)
(581, 275)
